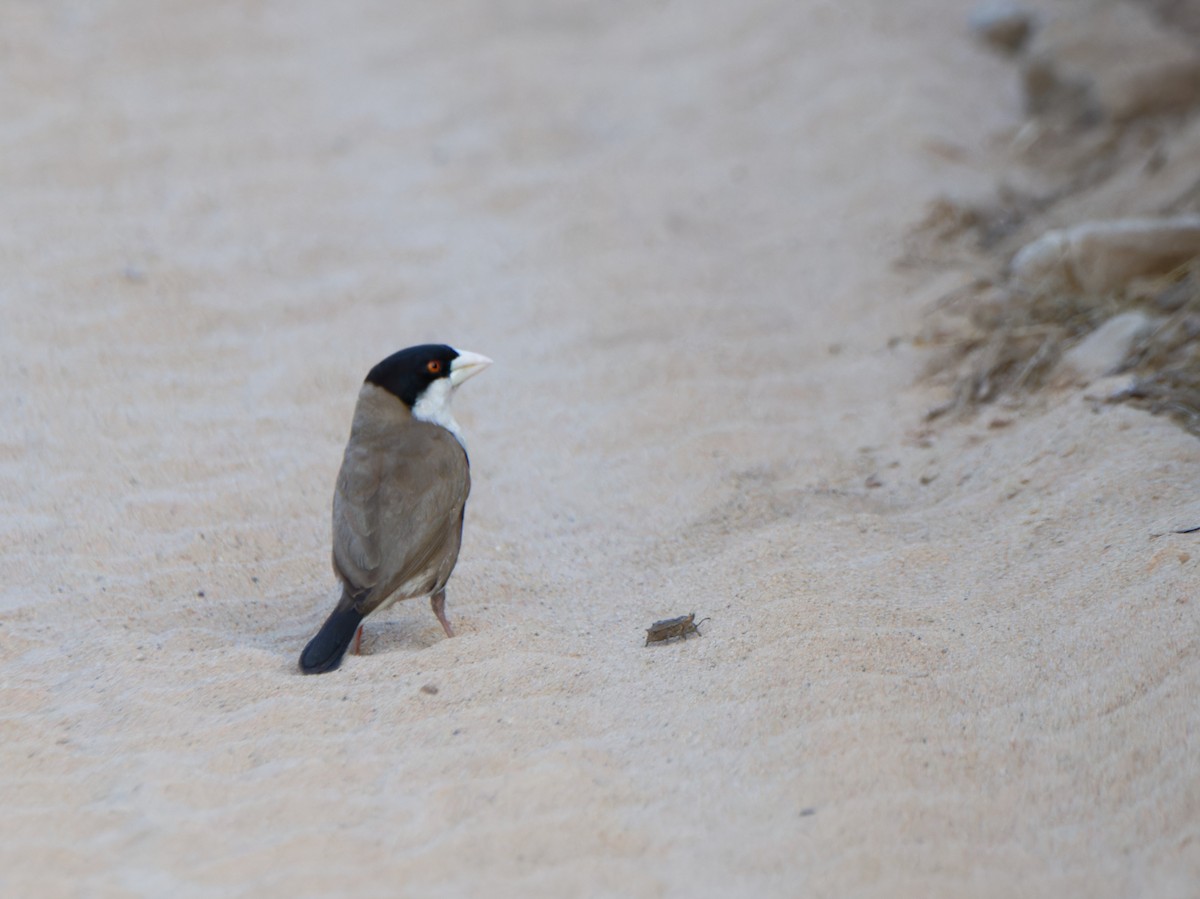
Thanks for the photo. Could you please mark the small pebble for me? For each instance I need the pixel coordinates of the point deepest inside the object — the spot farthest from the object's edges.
(431, 689)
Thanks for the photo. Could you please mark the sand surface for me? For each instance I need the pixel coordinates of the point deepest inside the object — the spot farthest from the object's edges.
(674, 228)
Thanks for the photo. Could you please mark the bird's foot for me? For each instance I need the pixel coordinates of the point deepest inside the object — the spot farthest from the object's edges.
(438, 601)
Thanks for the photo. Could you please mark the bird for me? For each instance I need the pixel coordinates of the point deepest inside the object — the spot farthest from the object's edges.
(401, 494)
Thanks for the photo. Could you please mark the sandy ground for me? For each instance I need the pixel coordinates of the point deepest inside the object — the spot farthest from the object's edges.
(674, 228)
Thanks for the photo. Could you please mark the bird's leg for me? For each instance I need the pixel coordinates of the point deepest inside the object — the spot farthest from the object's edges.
(438, 601)
(358, 641)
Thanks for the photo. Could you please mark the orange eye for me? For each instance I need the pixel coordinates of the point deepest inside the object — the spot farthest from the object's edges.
(434, 366)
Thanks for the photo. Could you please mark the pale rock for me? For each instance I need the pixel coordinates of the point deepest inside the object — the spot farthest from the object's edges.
(1109, 61)
(1110, 388)
(1101, 257)
(1102, 352)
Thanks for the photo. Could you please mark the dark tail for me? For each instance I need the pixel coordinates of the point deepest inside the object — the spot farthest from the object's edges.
(324, 651)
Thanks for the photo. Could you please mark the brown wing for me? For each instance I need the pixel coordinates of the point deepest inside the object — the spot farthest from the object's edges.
(356, 554)
(397, 511)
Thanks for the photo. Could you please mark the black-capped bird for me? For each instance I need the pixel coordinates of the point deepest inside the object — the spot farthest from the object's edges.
(401, 491)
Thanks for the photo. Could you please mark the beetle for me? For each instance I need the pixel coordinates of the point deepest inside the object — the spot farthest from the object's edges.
(670, 628)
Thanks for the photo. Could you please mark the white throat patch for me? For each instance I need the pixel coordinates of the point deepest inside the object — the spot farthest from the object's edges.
(434, 407)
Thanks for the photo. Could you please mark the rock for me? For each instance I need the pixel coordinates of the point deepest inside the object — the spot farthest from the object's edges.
(1101, 257)
(1002, 25)
(1109, 61)
(1110, 388)
(1102, 352)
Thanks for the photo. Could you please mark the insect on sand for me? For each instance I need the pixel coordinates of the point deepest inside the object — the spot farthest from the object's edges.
(670, 628)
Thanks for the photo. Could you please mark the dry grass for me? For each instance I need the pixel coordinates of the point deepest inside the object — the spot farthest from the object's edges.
(1167, 361)
(998, 342)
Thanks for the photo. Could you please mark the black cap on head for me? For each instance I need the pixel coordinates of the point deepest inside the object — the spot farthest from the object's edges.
(408, 372)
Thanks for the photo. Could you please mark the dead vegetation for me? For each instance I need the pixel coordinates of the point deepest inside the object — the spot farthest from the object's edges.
(1166, 363)
(1091, 155)
(997, 342)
